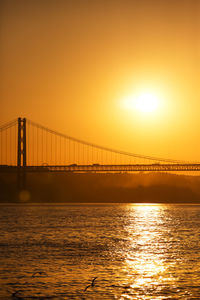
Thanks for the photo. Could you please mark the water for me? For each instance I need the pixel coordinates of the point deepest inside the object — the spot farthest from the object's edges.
(136, 251)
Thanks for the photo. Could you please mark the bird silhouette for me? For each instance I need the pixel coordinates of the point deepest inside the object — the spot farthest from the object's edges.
(91, 284)
(37, 273)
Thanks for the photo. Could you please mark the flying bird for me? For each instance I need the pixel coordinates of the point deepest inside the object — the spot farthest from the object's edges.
(37, 273)
(91, 284)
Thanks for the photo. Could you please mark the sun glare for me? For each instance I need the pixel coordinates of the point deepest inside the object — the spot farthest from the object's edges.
(145, 102)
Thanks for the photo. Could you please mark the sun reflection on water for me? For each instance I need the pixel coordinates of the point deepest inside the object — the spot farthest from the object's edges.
(146, 259)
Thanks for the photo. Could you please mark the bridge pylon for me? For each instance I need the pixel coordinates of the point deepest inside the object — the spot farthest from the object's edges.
(21, 153)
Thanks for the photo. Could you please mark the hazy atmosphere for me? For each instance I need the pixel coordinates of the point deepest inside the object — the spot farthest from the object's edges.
(80, 67)
(100, 149)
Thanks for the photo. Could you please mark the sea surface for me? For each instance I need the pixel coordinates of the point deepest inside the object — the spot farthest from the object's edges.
(135, 251)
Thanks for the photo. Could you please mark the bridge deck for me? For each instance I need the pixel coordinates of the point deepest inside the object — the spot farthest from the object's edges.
(98, 168)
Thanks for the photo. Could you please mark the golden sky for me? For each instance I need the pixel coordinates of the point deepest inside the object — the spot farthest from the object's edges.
(70, 65)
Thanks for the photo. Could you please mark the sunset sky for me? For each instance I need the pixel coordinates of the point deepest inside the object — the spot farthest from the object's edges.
(84, 67)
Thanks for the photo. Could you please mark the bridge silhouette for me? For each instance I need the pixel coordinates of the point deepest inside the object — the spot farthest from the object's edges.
(30, 147)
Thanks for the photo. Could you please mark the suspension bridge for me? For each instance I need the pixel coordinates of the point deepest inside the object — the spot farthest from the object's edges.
(26, 146)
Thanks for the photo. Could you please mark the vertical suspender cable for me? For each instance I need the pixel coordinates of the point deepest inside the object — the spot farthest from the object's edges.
(69, 152)
(28, 149)
(47, 143)
(60, 161)
(65, 141)
(11, 145)
(6, 146)
(55, 149)
(33, 146)
(78, 153)
(37, 137)
(1, 148)
(51, 136)
(42, 132)
(74, 154)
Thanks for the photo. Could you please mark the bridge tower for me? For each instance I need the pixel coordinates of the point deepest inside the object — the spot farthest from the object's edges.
(21, 153)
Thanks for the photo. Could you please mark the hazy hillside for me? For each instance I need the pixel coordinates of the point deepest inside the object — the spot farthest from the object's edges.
(69, 187)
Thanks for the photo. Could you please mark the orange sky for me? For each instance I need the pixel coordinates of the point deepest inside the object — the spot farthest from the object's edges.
(69, 64)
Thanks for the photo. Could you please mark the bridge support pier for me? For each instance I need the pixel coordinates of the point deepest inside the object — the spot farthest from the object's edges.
(21, 154)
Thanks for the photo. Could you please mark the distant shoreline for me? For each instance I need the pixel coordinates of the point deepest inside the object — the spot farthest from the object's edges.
(75, 188)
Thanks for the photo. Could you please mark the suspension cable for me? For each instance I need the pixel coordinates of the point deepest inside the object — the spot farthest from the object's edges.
(151, 158)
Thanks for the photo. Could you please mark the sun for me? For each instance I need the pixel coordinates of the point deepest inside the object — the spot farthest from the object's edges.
(147, 103)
